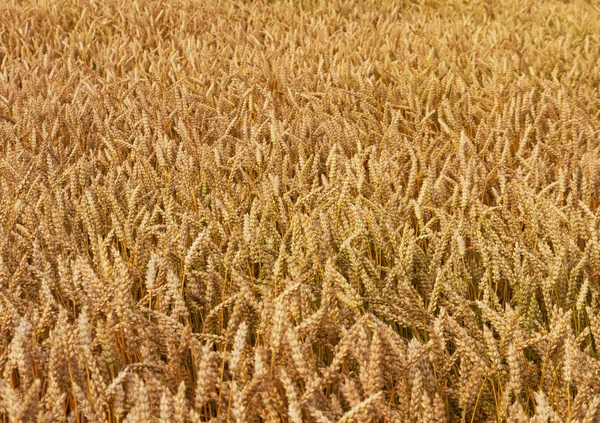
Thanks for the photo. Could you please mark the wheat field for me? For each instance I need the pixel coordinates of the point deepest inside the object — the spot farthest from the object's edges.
(299, 211)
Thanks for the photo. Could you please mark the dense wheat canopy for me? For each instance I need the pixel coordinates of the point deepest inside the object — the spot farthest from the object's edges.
(338, 211)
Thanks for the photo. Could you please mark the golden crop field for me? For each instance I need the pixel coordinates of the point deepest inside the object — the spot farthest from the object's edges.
(299, 211)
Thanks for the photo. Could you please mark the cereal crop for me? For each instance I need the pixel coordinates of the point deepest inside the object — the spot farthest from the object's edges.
(299, 211)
